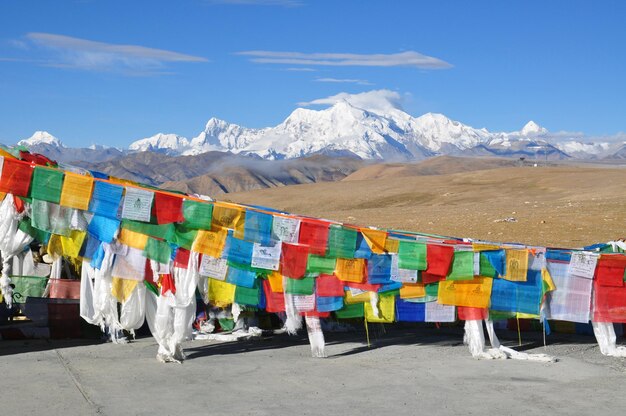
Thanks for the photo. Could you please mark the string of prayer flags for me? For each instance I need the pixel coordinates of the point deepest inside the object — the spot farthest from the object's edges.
(16, 177)
(315, 235)
(350, 270)
(376, 240)
(210, 243)
(462, 266)
(474, 293)
(516, 265)
(168, 208)
(198, 215)
(106, 199)
(46, 184)
(137, 204)
(76, 191)
(293, 260)
(341, 242)
(258, 227)
(412, 255)
(285, 229)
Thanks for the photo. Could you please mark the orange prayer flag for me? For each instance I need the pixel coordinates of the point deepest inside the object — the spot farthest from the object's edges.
(132, 239)
(350, 270)
(375, 239)
(76, 191)
(276, 282)
(226, 216)
(210, 242)
(392, 245)
(516, 265)
(412, 290)
(474, 293)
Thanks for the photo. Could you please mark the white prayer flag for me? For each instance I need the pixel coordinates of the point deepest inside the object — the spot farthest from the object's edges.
(583, 264)
(571, 301)
(266, 257)
(285, 229)
(137, 204)
(304, 303)
(213, 268)
(439, 313)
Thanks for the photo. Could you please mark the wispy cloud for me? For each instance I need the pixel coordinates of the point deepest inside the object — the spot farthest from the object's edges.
(344, 81)
(375, 100)
(409, 58)
(303, 69)
(280, 3)
(76, 53)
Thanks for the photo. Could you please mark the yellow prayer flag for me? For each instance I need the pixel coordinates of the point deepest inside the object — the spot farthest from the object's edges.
(360, 298)
(391, 245)
(210, 242)
(221, 294)
(386, 310)
(412, 290)
(55, 246)
(121, 289)
(375, 239)
(276, 282)
(472, 293)
(76, 191)
(226, 216)
(132, 239)
(484, 247)
(350, 270)
(516, 265)
(71, 245)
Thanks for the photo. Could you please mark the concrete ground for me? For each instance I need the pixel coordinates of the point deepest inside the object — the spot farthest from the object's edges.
(407, 370)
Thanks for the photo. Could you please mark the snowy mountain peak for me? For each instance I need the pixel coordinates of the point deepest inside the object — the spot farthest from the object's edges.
(532, 129)
(164, 143)
(41, 137)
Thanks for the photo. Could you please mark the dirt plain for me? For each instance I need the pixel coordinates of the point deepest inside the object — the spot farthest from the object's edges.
(554, 204)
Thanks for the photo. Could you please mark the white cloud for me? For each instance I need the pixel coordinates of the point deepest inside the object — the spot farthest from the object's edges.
(374, 100)
(281, 3)
(344, 81)
(409, 58)
(70, 52)
(304, 69)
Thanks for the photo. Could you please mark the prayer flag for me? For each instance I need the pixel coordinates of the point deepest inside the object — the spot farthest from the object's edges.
(76, 192)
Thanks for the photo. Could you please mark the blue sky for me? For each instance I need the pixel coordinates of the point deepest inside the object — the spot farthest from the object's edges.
(111, 72)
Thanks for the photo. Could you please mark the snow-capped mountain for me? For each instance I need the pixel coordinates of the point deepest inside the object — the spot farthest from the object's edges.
(162, 143)
(41, 138)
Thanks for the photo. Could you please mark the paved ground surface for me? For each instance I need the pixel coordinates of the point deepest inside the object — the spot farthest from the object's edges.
(406, 371)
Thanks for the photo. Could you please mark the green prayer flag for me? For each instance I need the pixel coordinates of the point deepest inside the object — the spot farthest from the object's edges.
(39, 235)
(247, 296)
(46, 184)
(304, 286)
(432, 289)
(183, 236)
(26, 286)
(197, 215)
(499, 316)
(320, 264)
(161, 231)
(412, 255)
(341, 242)
(462, 266)
(158, 250)
(355, 310)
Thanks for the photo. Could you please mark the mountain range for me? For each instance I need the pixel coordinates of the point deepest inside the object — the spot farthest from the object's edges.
(345, 129)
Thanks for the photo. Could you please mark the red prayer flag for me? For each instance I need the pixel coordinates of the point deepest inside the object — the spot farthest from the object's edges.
(168, 208)
(16, 177)
(293, 260)
(328, 285)
(609, 303)
(182, 258)
(167, 284)
(439, 259)
(316, 314)
(363, 286)
(466, 313)
(315, 235)
(274, 301)
(431, 278)
(610, 270)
